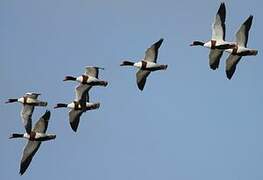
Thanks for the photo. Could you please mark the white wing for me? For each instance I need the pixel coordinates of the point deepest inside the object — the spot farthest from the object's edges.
(74, 117)
(32, 95)
(26, 116)
(218, 27)
(141, 77)
(81, 92)
(32, 146)
(92, 71)
(243, 32)
(231, 64)
(214, 58)
(151, 53)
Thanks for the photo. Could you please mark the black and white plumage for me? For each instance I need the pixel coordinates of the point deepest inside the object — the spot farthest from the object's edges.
(231, 64)
(93, 71)
(218, 26)
(218, 33)
(240, 49)
(29, 101)
(147, 65)
(151, 54)
(90, 77)
(80, 105)
(33, 145)
(243, 32)
(141, 77)
(214, 58)
(82, 96)
(217, 44)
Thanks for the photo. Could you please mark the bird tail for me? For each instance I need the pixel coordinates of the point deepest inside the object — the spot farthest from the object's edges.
(164, 67)
(103, 83)
(254, 52)
(93, 106)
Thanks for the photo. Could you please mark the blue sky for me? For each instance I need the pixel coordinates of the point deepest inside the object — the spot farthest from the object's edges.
(189, 123)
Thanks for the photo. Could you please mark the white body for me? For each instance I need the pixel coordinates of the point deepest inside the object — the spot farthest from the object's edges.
(37, 136)
(28, 100)
(239, 50)
(72, 105)
(148, 64)
(218, 43)
(90, 79)
(88, 104)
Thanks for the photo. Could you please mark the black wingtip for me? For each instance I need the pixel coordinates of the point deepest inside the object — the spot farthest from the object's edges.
(74, 126)
(141, 88)
(47, 115)
(222, 11)
(222, 6)
(22, 171)
(160, 41)
(229, 75)
(248, 22)
(214, 66)
(249, 19)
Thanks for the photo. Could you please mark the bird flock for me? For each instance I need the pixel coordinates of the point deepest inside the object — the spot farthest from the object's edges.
(217, 45)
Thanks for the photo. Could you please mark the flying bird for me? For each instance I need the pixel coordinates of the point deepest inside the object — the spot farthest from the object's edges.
(90, 77)
(29, 101)
(240, 49)
(80, 105)
(147, 65)
(36, 136)
(217, 44)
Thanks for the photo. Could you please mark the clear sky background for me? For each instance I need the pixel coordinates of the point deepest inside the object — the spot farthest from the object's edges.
(189, 123)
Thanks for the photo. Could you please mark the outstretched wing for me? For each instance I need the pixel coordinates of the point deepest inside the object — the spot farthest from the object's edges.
(42, 124)
(214, 58)
(74, 117)
(32, 95)
(29, 151)
(231, 64)
(219, 27)
(81, 92)
(26, 116)
(151, 53)
(92, 71)
(32, 146)
(141, 77)
(243, 32)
